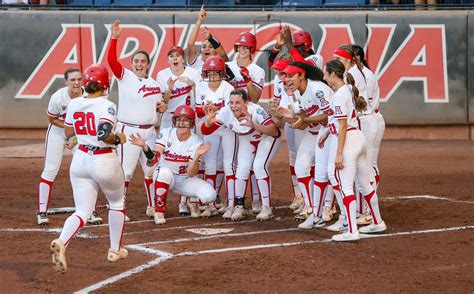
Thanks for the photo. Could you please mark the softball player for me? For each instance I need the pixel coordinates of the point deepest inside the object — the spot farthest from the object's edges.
(250, 77)
(259, 140)
(139, 99)
(313, 95)
(280, 98)
(209, 47)
(373, 93)
(368, 122)
(347, 152)
(56, 141)
(213, 92)
(95, 165)
(180, 151)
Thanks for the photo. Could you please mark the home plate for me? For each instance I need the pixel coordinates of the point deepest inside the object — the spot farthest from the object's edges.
(207, 232)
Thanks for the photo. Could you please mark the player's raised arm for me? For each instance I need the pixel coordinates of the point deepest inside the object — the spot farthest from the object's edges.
(215, 44)
(192, 55)
(114, 64)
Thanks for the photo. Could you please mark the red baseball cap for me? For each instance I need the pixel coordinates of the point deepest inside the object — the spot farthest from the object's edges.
(280, 64)
(176, 48)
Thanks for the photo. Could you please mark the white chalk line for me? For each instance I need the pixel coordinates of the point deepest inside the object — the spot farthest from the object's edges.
(90, 235)
(162, 257)
(218, 236)
(166, 256)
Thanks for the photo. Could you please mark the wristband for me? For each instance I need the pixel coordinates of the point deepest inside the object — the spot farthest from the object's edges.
(149, 153)
(214, 42)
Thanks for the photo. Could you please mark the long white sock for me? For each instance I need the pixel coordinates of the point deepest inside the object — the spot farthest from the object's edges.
(44, 194)
(254, 187)
(116, 227)
(264, 185)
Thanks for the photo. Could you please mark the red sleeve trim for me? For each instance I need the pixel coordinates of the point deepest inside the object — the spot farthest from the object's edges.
(268, 121)
(106, 119)
(341, 116)
(53, 114)
(194, 60)
(114, 64)
(160, 144)
(207, 131)
(258, 85)
(67, 124)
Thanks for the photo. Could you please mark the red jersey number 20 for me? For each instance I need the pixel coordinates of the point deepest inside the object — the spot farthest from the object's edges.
(85, 123)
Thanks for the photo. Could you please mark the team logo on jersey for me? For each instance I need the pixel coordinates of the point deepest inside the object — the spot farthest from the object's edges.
(111, 110)
(319, 94)
(160, 135)
(231, 126)
(64, 107)
(338, 110)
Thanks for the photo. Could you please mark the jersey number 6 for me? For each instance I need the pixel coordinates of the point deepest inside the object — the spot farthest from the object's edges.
(85, 123)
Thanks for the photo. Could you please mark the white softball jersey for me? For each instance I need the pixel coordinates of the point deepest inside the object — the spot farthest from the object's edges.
(177, 154)
(317, 60)
(225, 117)
(138, 98)
(219, 98)
(85, 114)
(197, 63)
(182, 94)
(314, 101)
(257, 74)
(342, 107)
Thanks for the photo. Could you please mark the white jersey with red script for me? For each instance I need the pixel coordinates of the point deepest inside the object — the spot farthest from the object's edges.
(182, 94)
(257, 74)
(342, 106)
(225, 117)
(219, 98)
(314, 101)
(138, 99)
(177, 154)
(85, 114)
(317, 60)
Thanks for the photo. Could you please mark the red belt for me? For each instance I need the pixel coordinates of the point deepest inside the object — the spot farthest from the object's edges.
(95, 152)
(137, 126)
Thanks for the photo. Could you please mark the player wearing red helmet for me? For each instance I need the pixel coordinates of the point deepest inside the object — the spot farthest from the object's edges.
(213, 92)
(251, 78)
(179, 150)
(95, 164)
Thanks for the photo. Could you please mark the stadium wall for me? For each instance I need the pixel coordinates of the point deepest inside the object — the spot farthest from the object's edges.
(423, 58)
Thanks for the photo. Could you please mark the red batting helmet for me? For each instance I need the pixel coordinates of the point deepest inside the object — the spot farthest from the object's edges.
(302, 38)
(246, 39)
(214, 63)
(184, 111)
(96, 73)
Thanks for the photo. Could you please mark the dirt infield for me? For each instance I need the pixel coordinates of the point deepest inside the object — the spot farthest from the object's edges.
(429, 245)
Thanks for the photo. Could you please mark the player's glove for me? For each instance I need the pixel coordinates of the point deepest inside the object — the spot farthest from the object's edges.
(245, 74)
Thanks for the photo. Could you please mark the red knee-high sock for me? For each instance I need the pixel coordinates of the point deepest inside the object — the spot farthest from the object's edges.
(211, 179)
(149, 189)
(304, 184)
(350, 207)
(44, 194)
(161, 192)
(373, 203)
(319, 189)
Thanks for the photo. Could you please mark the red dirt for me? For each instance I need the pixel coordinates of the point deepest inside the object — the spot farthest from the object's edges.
(431, 262)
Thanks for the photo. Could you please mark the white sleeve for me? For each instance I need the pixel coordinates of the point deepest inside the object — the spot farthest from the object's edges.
(109, 115)
(68, 121)
(258, 78)
(162, 137)
(162, 82)
(53, 105)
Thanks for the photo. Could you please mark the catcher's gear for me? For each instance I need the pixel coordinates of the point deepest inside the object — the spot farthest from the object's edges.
(96, 73)
(214, 63)
(302, 38)
(184, 111)
(245, 74)
(246, 39)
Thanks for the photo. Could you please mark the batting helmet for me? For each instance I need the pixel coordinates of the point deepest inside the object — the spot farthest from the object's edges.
(302, 38)
(184, 111)
(246, 39)
(213, 63)
(96, 73)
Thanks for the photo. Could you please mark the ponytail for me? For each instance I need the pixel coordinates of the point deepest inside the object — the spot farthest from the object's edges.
(356, 60)
(359, 101)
